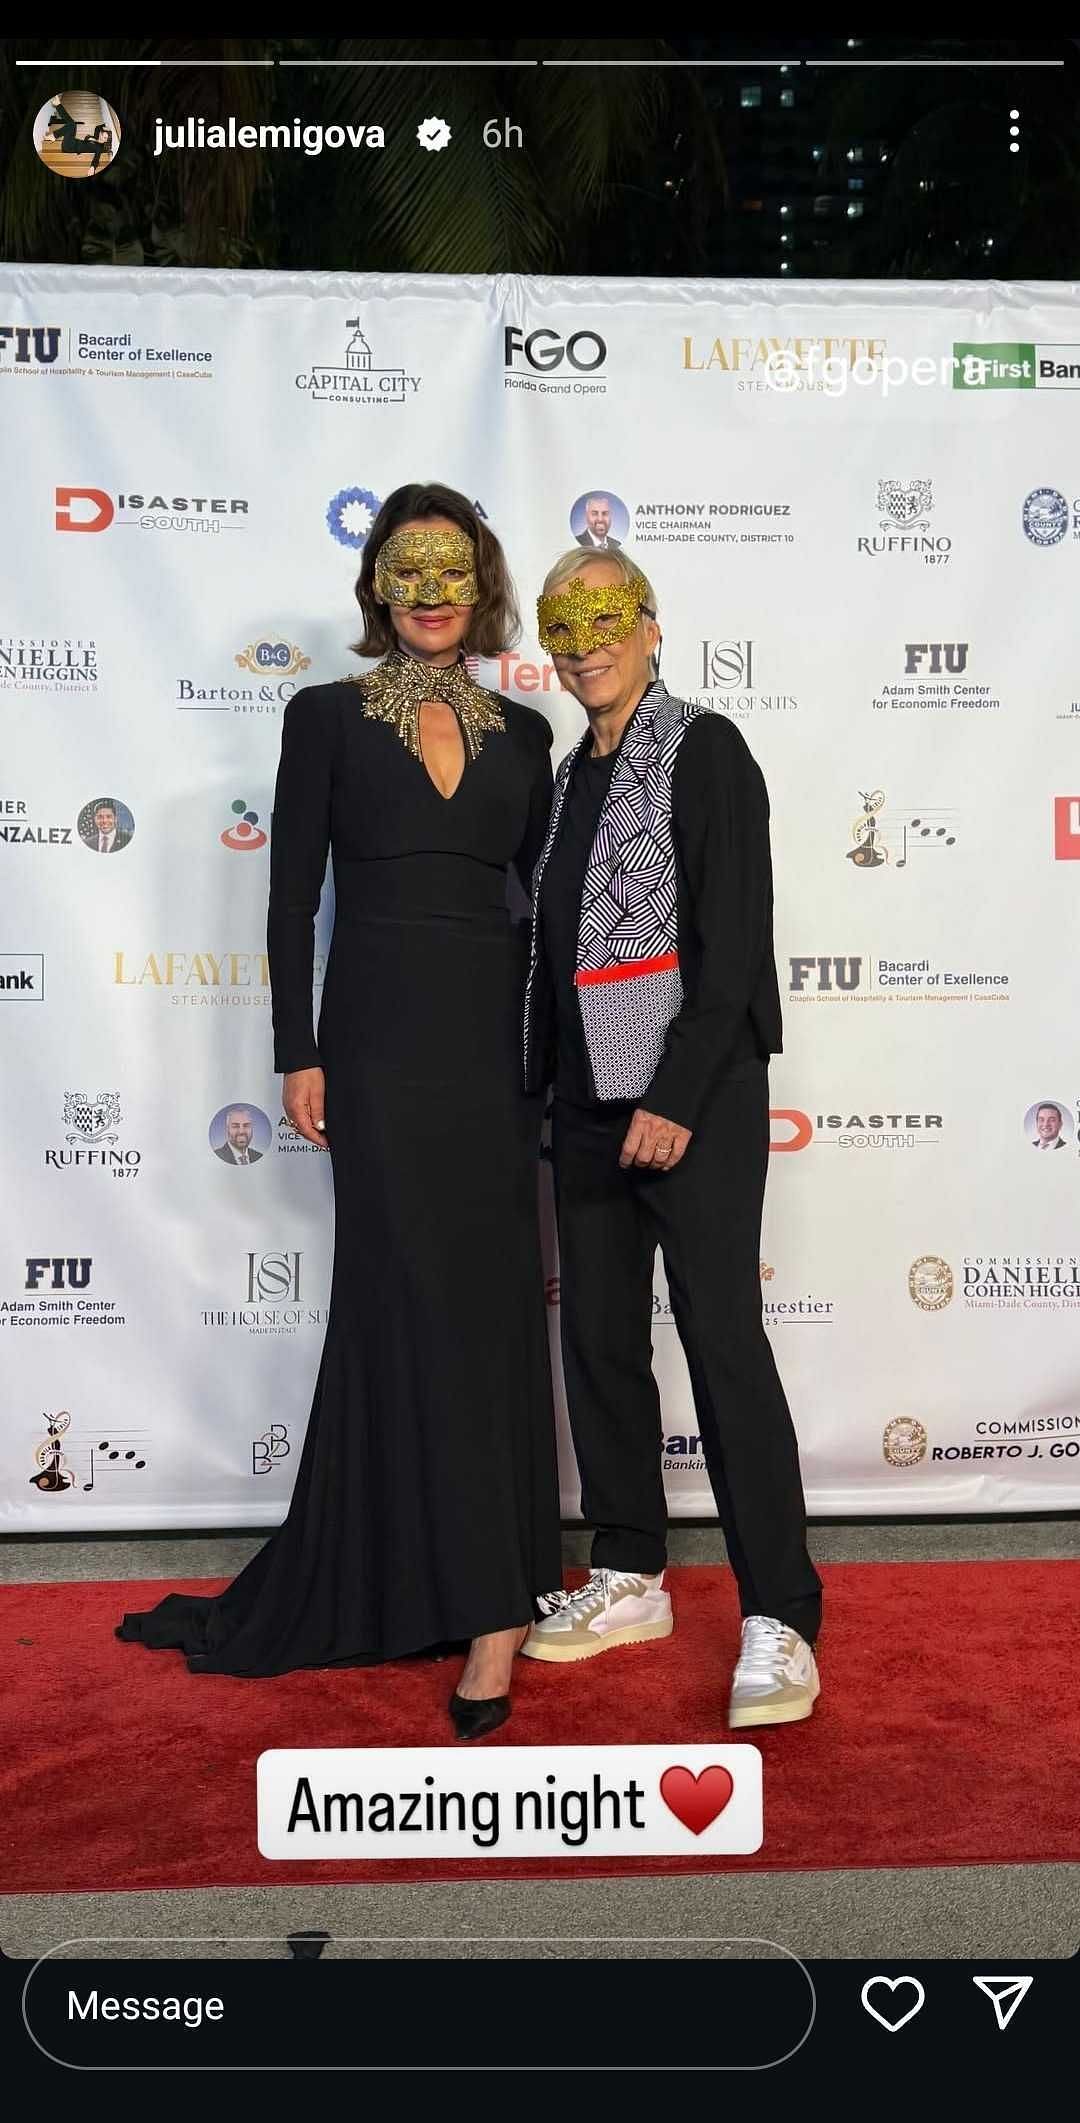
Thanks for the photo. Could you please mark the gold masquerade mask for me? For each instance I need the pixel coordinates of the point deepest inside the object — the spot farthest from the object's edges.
(427, 568)
(579, 618)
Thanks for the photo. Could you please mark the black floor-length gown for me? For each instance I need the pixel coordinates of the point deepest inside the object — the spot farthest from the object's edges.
(425, 1508)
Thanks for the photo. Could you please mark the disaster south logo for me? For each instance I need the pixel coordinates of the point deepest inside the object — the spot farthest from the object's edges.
(904, 1442)
(791, 1129)
(91, 509)
(357, 379)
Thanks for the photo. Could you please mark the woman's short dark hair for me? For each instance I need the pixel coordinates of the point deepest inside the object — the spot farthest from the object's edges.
(496, 621)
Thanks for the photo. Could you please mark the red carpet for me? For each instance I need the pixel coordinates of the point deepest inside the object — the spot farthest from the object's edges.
(948, 1732)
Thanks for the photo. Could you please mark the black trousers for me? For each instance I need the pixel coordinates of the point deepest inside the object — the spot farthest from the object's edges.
(706, 1218)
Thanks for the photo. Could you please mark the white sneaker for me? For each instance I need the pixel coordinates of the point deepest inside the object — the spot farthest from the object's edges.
(614, 1607)
(776, 1679)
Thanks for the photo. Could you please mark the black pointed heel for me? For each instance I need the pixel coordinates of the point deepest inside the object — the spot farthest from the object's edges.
(472, 1719)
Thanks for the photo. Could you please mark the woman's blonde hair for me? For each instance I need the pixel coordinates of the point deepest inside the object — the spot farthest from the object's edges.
(570, 564)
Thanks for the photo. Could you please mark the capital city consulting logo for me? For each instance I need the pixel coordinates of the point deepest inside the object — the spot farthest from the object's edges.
(738, 677)
(92, 1138)
(905, 531)
(933, 679)
(555, 364)
(274, 661)
(357, 379)
(89, 510)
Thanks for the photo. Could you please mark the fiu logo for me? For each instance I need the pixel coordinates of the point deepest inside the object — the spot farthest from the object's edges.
(72, 1273)
(829, 974)
(28, 343)
(935, 657)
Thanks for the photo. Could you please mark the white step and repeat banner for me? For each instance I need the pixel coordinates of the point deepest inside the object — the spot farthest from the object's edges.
(860, 508)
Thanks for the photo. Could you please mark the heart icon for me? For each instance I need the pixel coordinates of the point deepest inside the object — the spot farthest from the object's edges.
(696, 1801)
(893, 1984)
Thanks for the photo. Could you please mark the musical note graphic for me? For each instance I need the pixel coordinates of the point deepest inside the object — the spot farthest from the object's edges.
(55, 1475)
(114, 1458)
(929, 836)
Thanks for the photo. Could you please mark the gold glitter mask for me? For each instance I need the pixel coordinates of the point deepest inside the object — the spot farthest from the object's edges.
(426, 568)
(579, 618)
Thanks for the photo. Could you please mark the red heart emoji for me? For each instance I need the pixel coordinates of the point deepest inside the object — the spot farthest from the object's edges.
(696, 1801)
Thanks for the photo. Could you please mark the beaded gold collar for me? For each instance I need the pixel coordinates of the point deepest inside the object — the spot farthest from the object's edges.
(394, 691)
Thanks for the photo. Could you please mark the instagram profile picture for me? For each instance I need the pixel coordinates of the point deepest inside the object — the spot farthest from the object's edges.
(599, 520)
(105, 825)
(1049, 1125)
(240, 1134)
(77, 134)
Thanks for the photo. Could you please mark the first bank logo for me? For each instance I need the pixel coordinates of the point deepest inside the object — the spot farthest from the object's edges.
(1015, 366)
(22, 977)
(358, 380)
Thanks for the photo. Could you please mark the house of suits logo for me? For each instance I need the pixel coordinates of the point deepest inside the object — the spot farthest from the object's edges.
(358, 379)
(271, 1298)
(730, 676)
(905, 508)
(930, 1283)
(904, 1441)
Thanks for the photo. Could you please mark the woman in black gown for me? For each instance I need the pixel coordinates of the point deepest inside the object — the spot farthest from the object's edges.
(425, 1509)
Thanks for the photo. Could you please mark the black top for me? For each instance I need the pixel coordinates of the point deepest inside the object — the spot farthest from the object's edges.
(346, 783)
(560, 911)
(731, 1010)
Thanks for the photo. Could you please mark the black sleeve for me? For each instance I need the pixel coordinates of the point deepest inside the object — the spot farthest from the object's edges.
(540, 738)
(299, 843)
(720, 818)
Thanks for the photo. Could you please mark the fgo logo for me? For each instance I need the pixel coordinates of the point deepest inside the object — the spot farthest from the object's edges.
(545, 350)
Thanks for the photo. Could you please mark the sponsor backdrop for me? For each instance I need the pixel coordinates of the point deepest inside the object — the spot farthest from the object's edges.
(860, 508)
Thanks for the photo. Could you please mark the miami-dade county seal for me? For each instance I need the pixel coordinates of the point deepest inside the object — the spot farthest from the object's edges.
(904, 1441)
(930, 1281)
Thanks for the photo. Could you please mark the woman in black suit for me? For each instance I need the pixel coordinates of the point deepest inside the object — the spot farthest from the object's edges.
(425, 1509)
